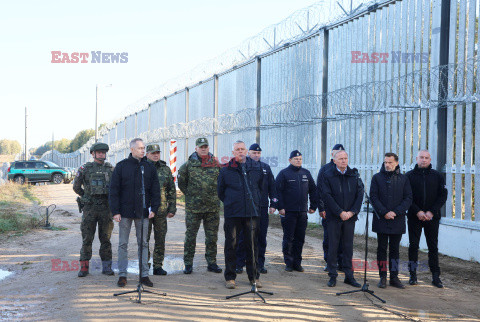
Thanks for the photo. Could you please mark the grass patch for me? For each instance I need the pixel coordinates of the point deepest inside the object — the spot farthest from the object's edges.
(14, 203)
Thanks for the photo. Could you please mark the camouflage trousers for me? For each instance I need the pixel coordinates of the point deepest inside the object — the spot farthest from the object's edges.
(211, 221)
(91, 217)
(159, 225)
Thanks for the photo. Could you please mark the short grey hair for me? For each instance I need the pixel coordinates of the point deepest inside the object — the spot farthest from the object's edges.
(237, 142)
(133, 143)
(339, 151)
(423, 150)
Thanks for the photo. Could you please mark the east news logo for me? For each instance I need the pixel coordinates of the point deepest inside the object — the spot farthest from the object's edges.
(96, 57)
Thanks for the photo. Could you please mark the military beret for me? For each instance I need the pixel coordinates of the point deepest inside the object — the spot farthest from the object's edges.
(99, 146)
(201, 142)
(255, 147)
(153, 148)
(294, 154)
(338, 147)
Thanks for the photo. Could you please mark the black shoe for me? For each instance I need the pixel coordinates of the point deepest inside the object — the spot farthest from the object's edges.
(263, 270)
(382, 283)
(332, 282)
(288, 268)
(122, 281)
(325, 269)
(159, 271)
(351, 281)
(395, 282)
(437, 282)
(239, 270)
(298, 268)
(214, 268)
(413, 278)
(146, 281)
(188, 269)
(83, 269)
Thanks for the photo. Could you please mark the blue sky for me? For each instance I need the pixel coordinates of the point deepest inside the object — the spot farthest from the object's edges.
(163, 39)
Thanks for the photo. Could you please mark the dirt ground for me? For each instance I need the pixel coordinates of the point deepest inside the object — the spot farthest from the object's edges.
(39, 290)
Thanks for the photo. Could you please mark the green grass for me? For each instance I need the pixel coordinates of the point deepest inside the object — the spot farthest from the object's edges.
(15, 201)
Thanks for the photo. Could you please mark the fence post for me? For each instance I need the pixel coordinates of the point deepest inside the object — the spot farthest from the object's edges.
(259, 99)
(215, 115)
(444, 35)
(323, 139)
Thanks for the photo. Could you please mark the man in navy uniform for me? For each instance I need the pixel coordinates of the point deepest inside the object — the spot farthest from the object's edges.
(343, 194)
(294, 185)
(255, 153)
(321, 210)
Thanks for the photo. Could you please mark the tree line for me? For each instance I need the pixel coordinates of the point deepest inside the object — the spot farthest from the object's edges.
(66, 145)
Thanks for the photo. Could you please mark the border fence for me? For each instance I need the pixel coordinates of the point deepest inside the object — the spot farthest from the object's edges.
(390, 76)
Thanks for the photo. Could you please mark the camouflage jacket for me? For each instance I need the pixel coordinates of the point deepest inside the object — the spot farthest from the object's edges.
(168, 192)
(92, 182)
(197, 179)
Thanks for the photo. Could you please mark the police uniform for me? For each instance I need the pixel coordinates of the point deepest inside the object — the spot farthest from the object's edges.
(92, 184)
(197, 179)
(168, 201)
(294, 186)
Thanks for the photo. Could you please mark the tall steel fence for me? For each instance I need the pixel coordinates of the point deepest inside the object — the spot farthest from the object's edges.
(393, 76)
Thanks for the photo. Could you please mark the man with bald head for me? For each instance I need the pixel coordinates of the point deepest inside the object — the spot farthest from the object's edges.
(342, 193)
(429, 196)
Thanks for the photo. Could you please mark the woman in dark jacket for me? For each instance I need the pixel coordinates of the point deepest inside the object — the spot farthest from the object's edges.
(391, 196)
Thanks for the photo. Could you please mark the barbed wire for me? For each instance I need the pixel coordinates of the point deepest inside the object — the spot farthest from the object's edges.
(419, 90)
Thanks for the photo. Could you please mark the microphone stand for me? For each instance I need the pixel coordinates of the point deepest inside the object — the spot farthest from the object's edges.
(254, 289)
(140, 287)
(365, 282)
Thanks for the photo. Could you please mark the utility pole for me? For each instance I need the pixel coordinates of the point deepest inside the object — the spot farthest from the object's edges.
(53, 143)
(26, 149)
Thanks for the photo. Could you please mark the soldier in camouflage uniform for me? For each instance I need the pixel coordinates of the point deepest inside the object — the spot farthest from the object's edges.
(168, 201)
(95, 178)
(197, 179)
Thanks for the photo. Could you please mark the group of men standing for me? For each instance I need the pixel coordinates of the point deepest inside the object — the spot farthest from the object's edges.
(141, 190)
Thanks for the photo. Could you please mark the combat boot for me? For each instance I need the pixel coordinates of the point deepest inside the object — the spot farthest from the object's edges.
(159, 271)
(107, 268)
(214, 268)
(83, 269)
(188, 269)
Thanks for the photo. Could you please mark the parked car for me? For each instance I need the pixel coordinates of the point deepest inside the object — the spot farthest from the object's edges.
(38, 171)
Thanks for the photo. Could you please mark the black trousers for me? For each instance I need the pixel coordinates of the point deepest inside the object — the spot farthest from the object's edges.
(294, 224)
(392, 243)
(340, 233)
(232, 227)
(261, 240)
(431, 235)
(325, 244)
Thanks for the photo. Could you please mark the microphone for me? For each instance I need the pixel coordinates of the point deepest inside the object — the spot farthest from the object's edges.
(141, 169)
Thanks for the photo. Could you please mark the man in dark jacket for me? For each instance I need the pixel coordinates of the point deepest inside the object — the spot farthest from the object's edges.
(391, 196)
(126, 205)
(241, 204)
(429, 196)
(255, 153)
(321, 210)
(294, 185)
(342, 192)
